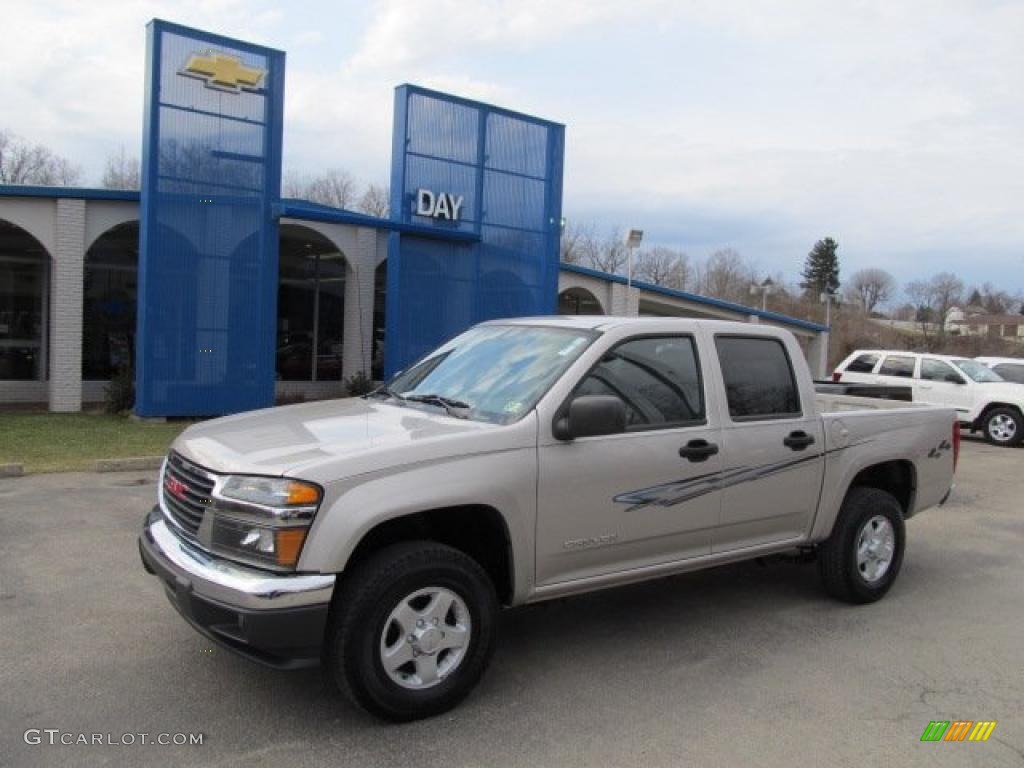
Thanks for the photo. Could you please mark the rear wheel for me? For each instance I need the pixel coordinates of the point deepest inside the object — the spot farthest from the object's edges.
(861, 559)
(1003, 426)
(412, 630)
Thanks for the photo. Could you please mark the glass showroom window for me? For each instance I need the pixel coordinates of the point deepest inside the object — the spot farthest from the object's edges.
(24, 291)
(310, 309)
(110, 298)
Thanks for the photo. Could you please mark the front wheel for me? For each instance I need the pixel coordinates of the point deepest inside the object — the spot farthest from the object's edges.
(412, 630)
(1003, 427)
(859, 562)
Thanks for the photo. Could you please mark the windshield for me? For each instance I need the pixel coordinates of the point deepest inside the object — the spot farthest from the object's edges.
(977, 372)
(498, 371)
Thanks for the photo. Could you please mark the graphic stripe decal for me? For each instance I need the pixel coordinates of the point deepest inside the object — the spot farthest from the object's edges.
(671, 494)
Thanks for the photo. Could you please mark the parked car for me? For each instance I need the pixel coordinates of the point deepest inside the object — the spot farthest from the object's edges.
(983, 400)
(522, 461)
(1010, 368)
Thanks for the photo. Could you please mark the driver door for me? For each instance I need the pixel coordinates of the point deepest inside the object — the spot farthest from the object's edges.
(642, 497)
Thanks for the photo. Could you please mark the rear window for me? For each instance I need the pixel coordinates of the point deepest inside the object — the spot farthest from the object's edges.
(1011, 372)
(759, 380)
(897, 365)
(863, 364)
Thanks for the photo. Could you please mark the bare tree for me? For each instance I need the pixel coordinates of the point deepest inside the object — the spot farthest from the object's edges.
(24, 163)
(334, 187)
(727, 275)
(934, 298)
(374, 201)
(577, 243)
(610, 255)
(664, 266)
(870, 288)
(121, 171)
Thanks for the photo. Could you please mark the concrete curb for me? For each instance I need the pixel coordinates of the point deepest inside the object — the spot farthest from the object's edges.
(12, 470)
(129, 465)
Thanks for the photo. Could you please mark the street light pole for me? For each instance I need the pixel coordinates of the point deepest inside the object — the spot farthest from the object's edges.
(827, 297)
(633, 239)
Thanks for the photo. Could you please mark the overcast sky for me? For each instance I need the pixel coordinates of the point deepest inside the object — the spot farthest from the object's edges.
(894, 127)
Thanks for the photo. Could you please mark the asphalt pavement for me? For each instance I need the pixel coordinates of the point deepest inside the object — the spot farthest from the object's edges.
(742, 665)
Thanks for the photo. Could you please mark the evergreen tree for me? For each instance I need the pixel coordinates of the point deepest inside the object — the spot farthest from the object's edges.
(821, 270)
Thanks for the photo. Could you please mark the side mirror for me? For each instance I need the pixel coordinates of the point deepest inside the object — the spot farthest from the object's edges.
(591, 415)
(952, 378)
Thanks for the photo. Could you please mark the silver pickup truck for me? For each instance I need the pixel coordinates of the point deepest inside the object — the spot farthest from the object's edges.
(526, 460)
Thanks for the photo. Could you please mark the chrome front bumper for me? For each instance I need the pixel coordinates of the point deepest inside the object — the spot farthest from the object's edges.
(276, 619)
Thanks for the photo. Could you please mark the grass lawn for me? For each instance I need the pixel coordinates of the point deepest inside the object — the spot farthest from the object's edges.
(58, 442)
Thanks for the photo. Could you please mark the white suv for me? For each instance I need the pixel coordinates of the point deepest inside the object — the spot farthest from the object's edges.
(1010, 368)
(982, 398)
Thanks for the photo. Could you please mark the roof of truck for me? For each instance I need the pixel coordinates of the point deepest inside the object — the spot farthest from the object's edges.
(606, 322)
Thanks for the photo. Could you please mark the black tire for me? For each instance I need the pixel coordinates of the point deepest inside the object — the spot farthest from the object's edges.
(837, 556)
(362, 607)
(998, 437)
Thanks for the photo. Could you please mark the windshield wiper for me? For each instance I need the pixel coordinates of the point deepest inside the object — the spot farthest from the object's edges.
(455, 408)
(385, 391)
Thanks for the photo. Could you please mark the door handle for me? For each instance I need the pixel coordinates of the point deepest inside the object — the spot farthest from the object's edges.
(698, 450)
(798, 440)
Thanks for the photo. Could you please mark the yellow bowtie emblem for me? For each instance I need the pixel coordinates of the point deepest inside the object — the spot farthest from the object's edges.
(223, 72)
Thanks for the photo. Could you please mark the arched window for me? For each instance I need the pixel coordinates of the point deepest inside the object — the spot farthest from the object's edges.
(24, 304)
(310, 306)
(578, 301)
(109, 302)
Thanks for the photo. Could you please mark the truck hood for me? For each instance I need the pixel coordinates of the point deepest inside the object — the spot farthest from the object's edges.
(338, 437)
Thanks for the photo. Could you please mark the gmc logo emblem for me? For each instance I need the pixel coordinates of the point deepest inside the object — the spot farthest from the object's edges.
(175, 487)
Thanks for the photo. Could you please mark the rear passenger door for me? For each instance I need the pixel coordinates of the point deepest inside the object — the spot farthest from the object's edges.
(772, 445)
(897, 370)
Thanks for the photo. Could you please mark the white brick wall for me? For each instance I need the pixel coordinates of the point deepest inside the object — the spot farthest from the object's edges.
(358, 341)
(66, 278)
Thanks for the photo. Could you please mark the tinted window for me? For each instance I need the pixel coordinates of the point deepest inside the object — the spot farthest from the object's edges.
(936, 370)
(1011, 372)
(759, 380)
(863, 364)
(896, 365)
(657, 378)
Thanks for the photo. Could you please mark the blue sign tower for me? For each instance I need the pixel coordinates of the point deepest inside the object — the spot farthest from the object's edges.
(211, 170)
(504, 170)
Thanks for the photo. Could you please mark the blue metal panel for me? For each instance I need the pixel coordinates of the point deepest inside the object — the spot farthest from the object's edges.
(211, 172)
(507, 167)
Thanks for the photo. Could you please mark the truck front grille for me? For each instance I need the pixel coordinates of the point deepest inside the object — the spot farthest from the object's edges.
(186, 492)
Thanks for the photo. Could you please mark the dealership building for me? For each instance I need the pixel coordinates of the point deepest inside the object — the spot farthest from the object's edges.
(221, 296)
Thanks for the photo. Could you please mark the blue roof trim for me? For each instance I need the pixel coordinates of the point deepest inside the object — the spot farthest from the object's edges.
(74, 193)
(303, 209)
(697, 298)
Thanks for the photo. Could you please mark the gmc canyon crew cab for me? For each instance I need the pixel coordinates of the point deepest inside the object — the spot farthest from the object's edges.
(983, 400)
(525, 460)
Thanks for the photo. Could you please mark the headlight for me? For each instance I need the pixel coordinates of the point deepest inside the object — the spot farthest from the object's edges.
(263, 520)
(270, 491)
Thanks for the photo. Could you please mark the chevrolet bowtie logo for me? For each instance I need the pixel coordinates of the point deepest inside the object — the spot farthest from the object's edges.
(223, 72)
